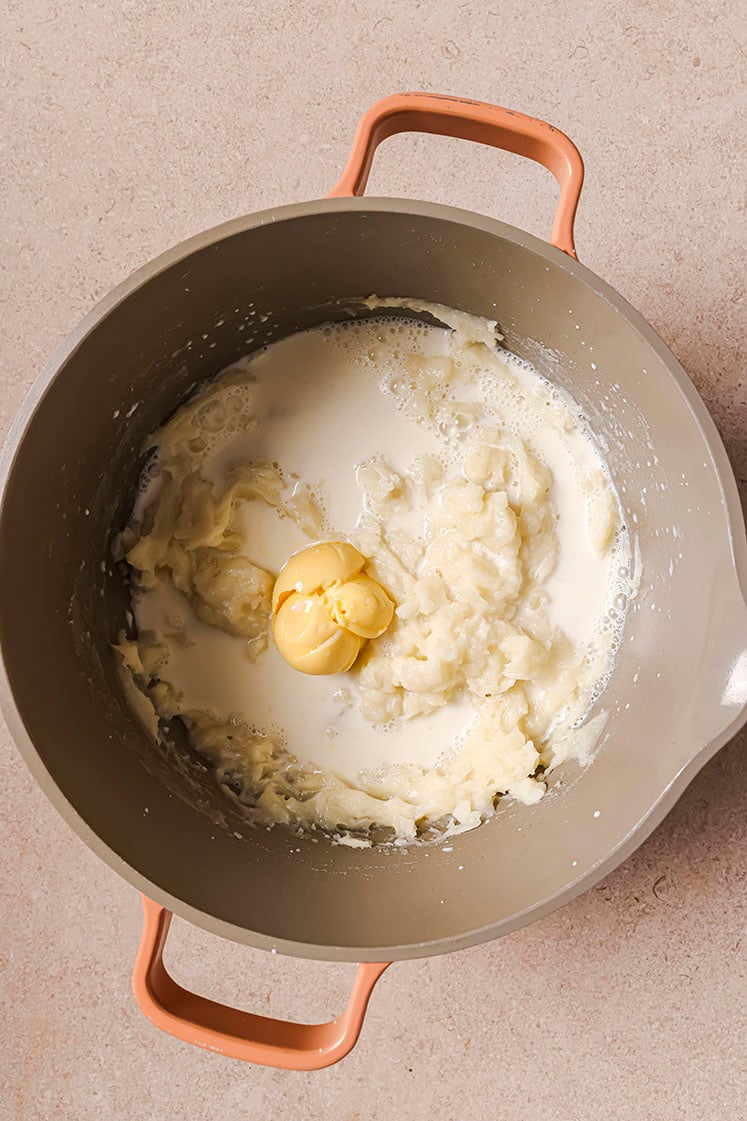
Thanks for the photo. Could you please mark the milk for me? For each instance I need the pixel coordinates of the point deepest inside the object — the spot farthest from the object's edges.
(323, 402)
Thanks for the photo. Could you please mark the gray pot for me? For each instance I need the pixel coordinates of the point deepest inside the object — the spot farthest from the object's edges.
(69, 470)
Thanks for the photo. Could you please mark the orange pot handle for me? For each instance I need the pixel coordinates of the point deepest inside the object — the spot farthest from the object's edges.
(471, 120)
(231, 1032)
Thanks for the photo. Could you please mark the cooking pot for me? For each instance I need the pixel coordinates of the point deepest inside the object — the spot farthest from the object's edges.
(69, 472)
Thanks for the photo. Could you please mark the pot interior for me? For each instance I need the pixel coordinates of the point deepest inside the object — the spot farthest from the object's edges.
(156, 814)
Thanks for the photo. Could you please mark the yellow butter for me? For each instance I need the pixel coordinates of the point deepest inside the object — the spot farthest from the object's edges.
(316, 568)
(325, 607)
(362, 606)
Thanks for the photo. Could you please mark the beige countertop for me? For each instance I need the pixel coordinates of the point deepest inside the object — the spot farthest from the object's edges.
(128, 126)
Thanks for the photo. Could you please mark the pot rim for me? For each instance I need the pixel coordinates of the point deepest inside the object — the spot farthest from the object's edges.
(730, 496)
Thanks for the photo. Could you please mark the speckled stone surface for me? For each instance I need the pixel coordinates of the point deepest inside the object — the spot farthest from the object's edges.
(126, 127)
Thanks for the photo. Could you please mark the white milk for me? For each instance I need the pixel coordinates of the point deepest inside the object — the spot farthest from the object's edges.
(325, 401)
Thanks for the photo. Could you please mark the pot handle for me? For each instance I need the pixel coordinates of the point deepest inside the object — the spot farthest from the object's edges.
(470, 120)
(231, 1032)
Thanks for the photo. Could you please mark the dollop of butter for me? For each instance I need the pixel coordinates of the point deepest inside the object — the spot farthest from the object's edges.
(325, 607)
